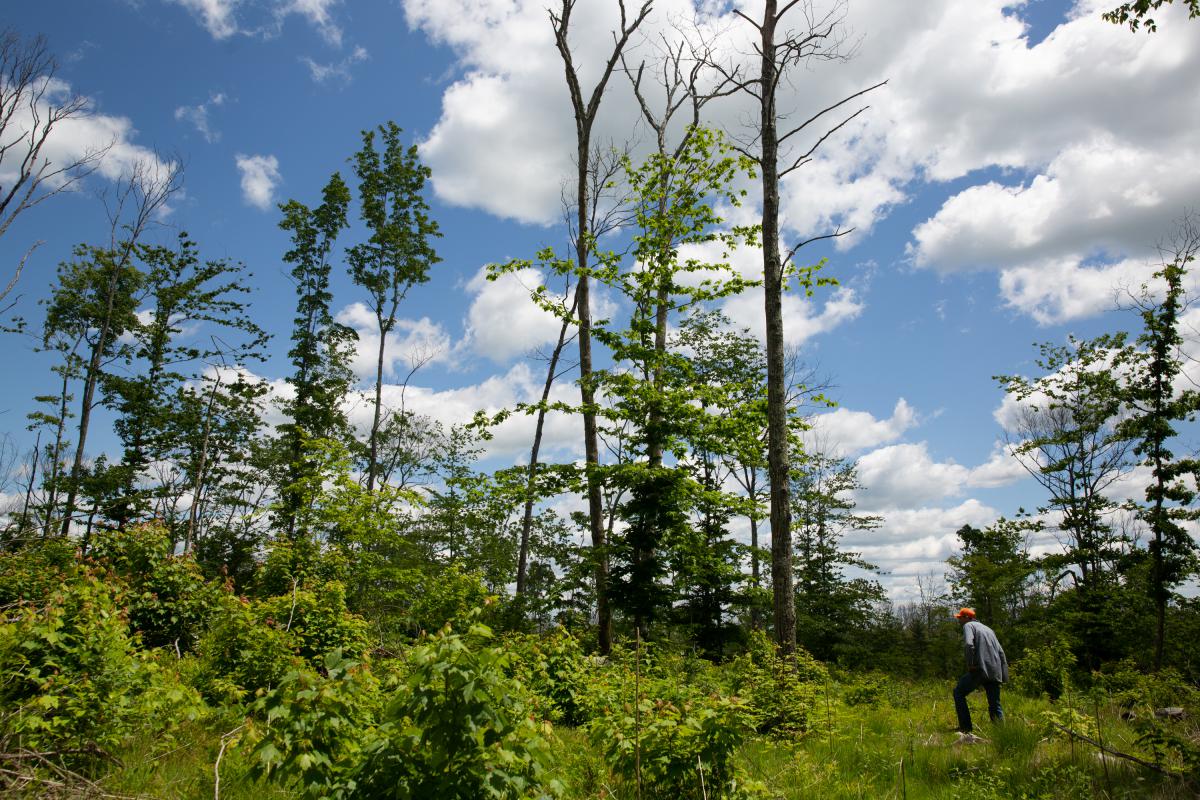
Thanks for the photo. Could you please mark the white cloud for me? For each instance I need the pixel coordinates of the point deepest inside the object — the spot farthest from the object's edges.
(803, 317)
(1001, 469)
(84, 136)
(410, 343)
(260, 176)
(1093, 128)
(221, 17)
(904, 475)
(843, 432)
(215, 15)
(197, 115)
(337, 70)
(511, 440)
(1060, 290)
(317, 12)
(502, 322)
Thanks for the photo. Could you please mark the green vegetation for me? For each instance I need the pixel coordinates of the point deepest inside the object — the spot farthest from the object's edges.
(286, 696)
(304, 608)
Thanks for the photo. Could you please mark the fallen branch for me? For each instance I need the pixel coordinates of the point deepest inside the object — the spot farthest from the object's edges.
(1117, 753)
(34, 755)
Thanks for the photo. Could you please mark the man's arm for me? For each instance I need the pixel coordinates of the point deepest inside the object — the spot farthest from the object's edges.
(969, 647)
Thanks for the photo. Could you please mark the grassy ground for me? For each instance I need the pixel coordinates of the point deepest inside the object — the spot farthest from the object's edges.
(901, 745)
(906, 748)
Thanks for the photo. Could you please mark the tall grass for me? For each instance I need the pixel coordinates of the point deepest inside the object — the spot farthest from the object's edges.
(901, 747)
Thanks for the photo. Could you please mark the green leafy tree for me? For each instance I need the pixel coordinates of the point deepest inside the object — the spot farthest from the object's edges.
(398, 253)
(993, 570)
(1137, 13)
(835, 606)
(1156, 405)
(96, 298)
(654, 389)
(320, 352)
(1065, 433)
(196, 314)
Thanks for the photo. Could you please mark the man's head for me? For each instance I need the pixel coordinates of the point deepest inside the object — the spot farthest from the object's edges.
(965, 615)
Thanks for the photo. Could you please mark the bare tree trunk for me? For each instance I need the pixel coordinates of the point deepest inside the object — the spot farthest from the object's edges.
(33, 465)
(527, 516)
(784, 601)
(373, 462)
(148, 192)
(585, 116)
(198, 484)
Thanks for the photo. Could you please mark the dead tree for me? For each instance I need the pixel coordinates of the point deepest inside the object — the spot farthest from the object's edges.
(32, 104)
(585, 110)
(779, 49)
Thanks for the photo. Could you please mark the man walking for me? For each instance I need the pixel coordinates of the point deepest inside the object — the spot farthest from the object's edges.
(986, 666)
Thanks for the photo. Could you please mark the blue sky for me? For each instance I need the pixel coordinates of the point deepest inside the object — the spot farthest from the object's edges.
(1016, 171)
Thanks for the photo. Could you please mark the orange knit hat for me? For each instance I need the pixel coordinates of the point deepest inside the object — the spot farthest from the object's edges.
(965, 613)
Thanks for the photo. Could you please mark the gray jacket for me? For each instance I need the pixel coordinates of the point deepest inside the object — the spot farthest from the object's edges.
(983, 651)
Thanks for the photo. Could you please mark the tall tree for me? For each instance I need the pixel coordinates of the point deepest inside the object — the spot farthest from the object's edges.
(320, 345)
(32, 107)
(1156, 404)
(97, 295)
(1065, 433)
(993, 569)
(398, 253)
(834, 603)
(654, 391)
(585, 107)
(196, 313)
(781, 48)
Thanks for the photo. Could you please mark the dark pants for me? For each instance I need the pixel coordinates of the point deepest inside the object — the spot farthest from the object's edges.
(969, 683)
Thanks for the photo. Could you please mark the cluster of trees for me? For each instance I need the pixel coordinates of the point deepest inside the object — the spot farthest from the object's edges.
(699, 425)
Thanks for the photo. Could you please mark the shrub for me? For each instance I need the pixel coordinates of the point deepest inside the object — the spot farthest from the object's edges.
(781, 693)
(450, 596)
(317, 622)
(169, 601)
(1128, 686)
(302, 563)
(253, 644)
(456, 730)
(239, 657)
(683, 751)
(1044, 670)
(314, 725)
(32, 573)
(552, 667)
(869, 691)
(72, 678)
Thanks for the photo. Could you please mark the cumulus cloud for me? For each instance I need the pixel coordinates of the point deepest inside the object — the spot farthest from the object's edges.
(803, 317)
(197, 115)
(843, 432)
(412, 343)
(260, 176)
(317, 12)
(336, 71)
(215, 15)
(502, 322)
(105, 140)
(914, 542)
(264, 18)
(906, 476)
(1092, 130)
(512, 438)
